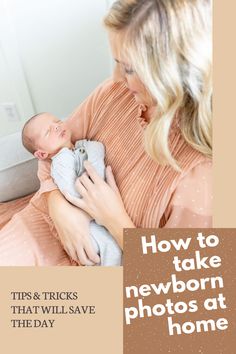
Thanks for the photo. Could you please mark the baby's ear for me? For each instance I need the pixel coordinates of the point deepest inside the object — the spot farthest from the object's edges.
(41, 155)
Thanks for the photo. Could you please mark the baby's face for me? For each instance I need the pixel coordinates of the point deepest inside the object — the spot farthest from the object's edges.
(50, 134)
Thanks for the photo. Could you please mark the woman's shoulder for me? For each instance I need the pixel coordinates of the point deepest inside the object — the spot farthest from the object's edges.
(109, 88)
(202, 170)
(105, 93)
(103, 99)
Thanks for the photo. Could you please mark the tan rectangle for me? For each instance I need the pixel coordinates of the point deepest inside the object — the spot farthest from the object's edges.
(98, 333)
(224, 146)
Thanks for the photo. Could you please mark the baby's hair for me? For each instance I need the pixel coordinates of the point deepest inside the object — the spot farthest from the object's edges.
(28, 142)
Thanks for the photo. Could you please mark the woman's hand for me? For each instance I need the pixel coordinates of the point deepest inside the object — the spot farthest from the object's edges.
(102, 201)
(72, 225)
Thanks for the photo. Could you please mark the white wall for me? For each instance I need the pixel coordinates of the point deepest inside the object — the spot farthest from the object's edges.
(7, 94)
(60, 48)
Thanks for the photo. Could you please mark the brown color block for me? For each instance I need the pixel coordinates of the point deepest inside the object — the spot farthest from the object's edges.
(150, 334)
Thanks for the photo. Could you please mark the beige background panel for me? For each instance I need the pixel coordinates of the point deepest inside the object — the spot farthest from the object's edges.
(99, 333)
(224, 114)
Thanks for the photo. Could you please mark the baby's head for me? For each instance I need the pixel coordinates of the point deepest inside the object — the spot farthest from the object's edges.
(44, 135)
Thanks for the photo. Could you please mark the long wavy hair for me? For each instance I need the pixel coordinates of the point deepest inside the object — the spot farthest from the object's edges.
(169, 46)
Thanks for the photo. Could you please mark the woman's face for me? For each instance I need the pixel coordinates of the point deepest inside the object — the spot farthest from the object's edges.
(123, 71)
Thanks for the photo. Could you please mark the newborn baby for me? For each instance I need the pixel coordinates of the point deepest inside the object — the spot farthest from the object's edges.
(47, 137)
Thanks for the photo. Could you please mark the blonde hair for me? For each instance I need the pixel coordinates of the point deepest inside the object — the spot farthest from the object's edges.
(168, 43)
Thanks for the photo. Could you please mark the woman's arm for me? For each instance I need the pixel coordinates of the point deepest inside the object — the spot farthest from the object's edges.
(72, 226)
(102, 201)
(71, 223)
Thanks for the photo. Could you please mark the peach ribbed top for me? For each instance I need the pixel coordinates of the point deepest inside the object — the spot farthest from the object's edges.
(154, 195)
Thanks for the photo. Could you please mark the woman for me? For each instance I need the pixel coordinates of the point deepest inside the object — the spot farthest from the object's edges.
(155, 122)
